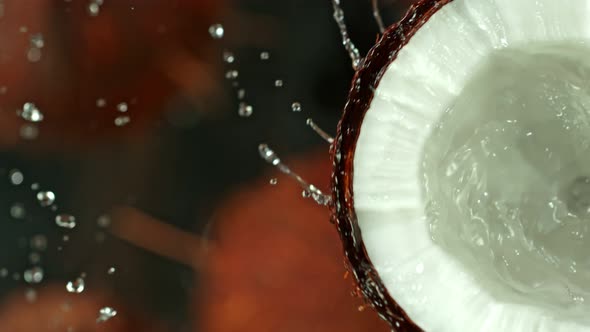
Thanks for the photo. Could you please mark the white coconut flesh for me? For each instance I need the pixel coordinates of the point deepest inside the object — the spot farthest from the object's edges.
(472, 169)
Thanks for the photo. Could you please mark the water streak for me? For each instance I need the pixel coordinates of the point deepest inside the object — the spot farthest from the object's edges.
(353, 52)
(320, 131)
(272, 158)
(377, 15)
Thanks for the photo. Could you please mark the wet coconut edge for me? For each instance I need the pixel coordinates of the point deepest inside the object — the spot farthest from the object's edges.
(365, 81)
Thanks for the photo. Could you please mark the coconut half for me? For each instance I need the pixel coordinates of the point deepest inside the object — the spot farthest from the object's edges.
(461, 177)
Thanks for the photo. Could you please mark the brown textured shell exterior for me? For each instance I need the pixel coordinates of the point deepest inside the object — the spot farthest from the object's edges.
(361, 94)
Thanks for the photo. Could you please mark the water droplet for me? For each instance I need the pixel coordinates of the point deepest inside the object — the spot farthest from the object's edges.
(35, 186)
(31, 113)
(278, 83)
(241, 94)
(76, 286)
(228, 57)
(216, 31)
(33, 275)
(101, 102)
(104, 221)
(65, 221)
(37, 40)
(94, 8)
(232, 74)
(34, 54)
(16, 177)
(45, 198)
(105, 314)
(111, 270)
(3, 273)
(273, 181)
(245, 110)
(122, 120)
(122, 107)
(39, 242)
(296, 107)
(29, 131)
(268, 154)
(264, 56)
(17, 211)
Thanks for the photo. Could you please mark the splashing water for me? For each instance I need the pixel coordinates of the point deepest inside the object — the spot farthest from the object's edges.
(76, 286)
(105, 314)
(353, 52)
(272, 158)
(65, 221)
(30, 112)
(216, 31)
(46, 198)
(320, 131)
(377, 15)
(34, 275)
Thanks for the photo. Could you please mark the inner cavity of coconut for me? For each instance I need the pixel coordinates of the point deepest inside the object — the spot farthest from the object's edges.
(507, 175)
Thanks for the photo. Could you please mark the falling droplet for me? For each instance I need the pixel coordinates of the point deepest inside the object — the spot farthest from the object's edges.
(232, 74)
(17, 211)
(241, 94)
(45, 198)
(31, 113)
(34, 54)
(278, 83)
(16, 177)
(216, 31)
(122, 120)
(35, 186)
(94, 7)
(33, 275)
(101, 102)
(296, 107)
(228, 57)
(122, 107)
(273, 181)
(105, 314)
(65, 221)
(264, 56)
(37, 40)
(245, 110)
(76, 286)
(268, 154)
(111, 270)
